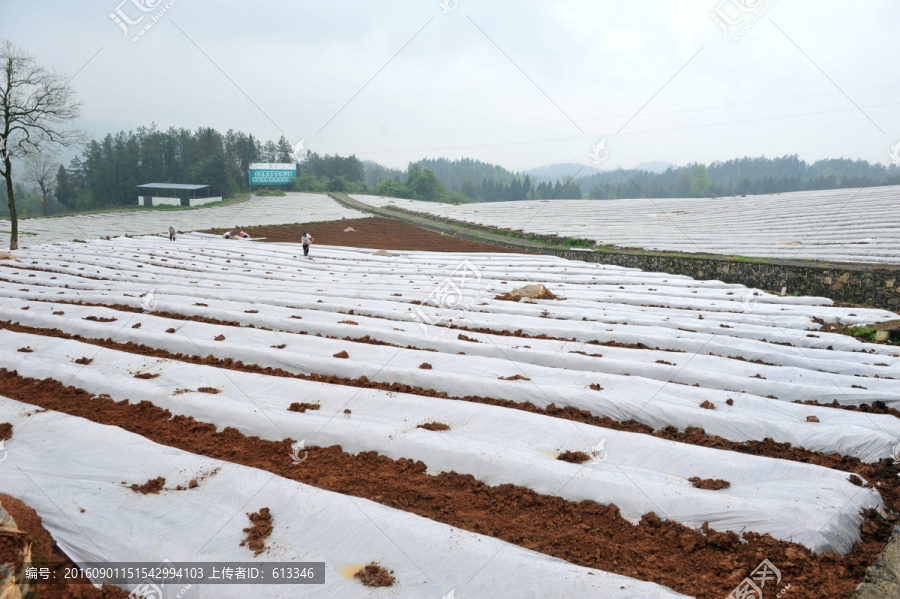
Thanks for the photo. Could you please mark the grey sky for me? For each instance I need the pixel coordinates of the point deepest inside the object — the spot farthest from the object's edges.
(452, 92)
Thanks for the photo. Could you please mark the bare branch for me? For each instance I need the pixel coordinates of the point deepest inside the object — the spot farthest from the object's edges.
(37, 107)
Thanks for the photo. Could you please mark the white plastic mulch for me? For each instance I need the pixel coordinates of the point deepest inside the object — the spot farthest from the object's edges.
(295, 207)
(705, 335)
(94, 517)
(855, 225)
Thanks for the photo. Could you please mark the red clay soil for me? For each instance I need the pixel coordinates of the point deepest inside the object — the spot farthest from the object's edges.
(151, 487)
(45, 553)
(434, 426)
(5, 431)
(711, 484)
(258, 531)
(573, 457)
(703, 563)
(373, 233)
(373, 575)
(302, 407)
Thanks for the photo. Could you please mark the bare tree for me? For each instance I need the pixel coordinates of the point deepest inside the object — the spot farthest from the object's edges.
(40, 169)
(37, 106)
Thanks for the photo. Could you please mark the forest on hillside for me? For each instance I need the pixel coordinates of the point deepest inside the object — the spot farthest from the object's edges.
(105, 173)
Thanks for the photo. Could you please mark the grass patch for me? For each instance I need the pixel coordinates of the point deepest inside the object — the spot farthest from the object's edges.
(864, 333)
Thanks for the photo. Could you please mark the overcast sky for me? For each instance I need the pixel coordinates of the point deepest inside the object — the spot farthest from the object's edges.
(517, 83)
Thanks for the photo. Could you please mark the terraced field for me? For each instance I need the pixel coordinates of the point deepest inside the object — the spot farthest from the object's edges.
(294, 207)
(641, 435)
(845, 225)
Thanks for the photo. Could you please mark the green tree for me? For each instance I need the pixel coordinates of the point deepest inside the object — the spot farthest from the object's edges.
(701, 182)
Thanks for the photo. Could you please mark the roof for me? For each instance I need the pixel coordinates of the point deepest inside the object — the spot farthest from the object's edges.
(172, 186)
(273, 166)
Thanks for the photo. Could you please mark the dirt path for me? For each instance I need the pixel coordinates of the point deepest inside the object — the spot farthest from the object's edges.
(374, 233)
(705, 563)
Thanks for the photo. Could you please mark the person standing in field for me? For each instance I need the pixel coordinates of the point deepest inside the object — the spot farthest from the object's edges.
(306, 240)
(171, 233)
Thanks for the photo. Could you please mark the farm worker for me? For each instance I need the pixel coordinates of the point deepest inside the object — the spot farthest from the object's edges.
(306, 240)
(227, 235)
(243, 235)
(171, 233)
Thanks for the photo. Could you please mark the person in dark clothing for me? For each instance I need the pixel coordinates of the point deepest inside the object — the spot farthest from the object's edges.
(171, 233)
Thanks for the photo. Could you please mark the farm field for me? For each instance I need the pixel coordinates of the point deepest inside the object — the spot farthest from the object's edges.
(842, 225)
(370, 232)
(294, 207)
(640, 435)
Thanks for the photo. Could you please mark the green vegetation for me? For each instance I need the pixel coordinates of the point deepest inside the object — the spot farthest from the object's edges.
(104, 176)
(866, 333)
(273, 192)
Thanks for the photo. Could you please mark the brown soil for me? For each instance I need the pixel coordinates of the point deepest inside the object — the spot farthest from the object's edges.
(710, 484)
(146, 375)
(573, 457)
(425, 366)
(515, 377)
(219, 338)
(5, 431)
(99, 319)
(878, 407)
(373, 575)
(45, 553)
(812, 418)
(691, 435)
(258, 531)
(151, 487)
(84, 361)
(434, 426)
(374, 233)
(341, 354)
(704, 563)
(708, 405)
(210, 390)
(302, 407)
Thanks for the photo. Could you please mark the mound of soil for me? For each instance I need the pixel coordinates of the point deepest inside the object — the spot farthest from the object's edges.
(302, 407)
(515, 377)
(210, 390)
(45, 551)
(708, 405)
(99, 319)
(373, 233)
(373, 575)
(710, 484)
(258, 531)
(425, 366)
(151, 487)
(573, 457)
(84, 361)
(5, 431)
(145, 375)
(434, 426)
(341, 354)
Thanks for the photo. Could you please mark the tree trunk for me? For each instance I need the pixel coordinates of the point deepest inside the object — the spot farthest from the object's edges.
(14, 232)
(44, 194)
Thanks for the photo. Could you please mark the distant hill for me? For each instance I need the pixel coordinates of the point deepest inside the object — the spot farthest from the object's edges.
(552, 172)
(656, 166)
